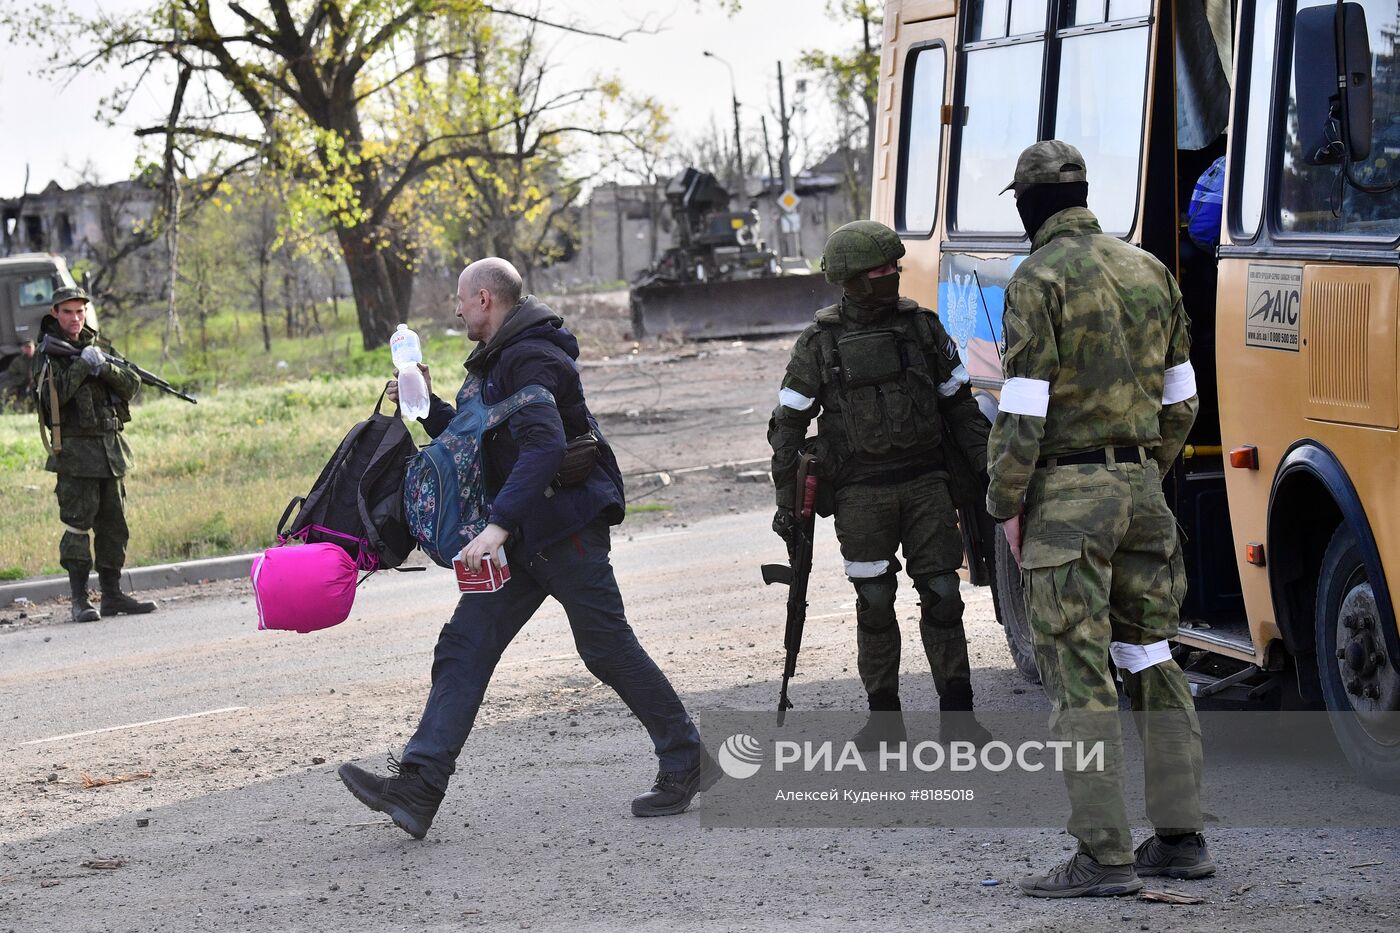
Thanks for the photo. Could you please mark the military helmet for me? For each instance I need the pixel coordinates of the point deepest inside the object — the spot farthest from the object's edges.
(70, 293)
(859, 247)
(1048, 162)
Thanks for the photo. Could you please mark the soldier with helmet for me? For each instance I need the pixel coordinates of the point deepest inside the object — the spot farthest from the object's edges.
(84, 402)
(885, 384)
(1098, 399)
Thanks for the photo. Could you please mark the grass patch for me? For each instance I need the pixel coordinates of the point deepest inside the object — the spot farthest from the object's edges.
(210, 479)
(647, 507)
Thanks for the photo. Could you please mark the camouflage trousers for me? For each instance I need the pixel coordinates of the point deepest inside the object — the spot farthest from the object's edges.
(1103, 575)
(96, 508)
(872, 523)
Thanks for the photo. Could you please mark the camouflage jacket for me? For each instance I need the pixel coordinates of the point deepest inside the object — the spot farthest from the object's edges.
(1097, 354)
(941, 402)
(92, 411)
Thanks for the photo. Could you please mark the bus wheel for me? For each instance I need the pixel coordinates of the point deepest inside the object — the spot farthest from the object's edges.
(1011, 611)
(1359, 683)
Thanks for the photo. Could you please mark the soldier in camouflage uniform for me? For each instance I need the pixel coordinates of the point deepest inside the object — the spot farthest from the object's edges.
(889, 393)
(90, 455)
(17, 381)
(1098, 399)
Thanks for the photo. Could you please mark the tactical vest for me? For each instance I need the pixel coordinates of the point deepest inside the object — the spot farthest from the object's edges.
(880, 402)
(93, 411)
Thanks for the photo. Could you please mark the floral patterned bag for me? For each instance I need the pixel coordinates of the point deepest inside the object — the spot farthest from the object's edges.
(444, 490)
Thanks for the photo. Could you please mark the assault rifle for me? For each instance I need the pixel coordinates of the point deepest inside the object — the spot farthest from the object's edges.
(796, 573)
(53, 346)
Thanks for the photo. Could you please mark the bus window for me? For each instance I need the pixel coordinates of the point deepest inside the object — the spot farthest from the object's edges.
(1089, 12)
(1100, 103)
(1313, 199)
(1026, 16)
(996, 19)
(1128, 9)
(921, 149)
(1002, 103)
(1253, 115)
(988, 20)
(1086, 12)
(1102, 89)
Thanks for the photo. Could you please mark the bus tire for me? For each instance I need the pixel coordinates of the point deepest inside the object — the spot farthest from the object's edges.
(1010, 602)
(1361, 687)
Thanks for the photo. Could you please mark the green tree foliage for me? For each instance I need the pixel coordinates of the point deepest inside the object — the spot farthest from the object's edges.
(852, 79)
(355, 104)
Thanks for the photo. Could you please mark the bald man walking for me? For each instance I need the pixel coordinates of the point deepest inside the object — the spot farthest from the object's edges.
(555, 529)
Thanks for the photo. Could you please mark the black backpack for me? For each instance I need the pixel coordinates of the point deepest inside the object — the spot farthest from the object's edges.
(357, 501)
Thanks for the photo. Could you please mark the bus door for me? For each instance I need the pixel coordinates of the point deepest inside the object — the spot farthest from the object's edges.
(910, 137)
(1026, 71)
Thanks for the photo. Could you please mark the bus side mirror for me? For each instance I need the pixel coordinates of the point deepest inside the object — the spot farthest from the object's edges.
(1334, 110)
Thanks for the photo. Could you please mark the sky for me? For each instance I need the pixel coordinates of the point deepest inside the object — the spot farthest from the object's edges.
(53, 129)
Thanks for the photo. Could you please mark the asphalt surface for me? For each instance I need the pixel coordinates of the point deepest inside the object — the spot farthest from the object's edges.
(247, 827)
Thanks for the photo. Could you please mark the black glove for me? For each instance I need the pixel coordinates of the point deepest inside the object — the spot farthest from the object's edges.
(785, 524)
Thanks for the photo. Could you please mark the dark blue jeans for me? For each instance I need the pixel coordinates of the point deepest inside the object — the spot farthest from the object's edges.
(577, 573)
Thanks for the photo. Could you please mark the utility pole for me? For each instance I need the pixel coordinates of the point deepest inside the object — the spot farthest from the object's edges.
(783, 163)
(738, 177)
(789, 221)
(767, 153)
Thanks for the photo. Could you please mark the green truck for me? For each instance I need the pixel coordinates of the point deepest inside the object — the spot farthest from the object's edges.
(27, 284)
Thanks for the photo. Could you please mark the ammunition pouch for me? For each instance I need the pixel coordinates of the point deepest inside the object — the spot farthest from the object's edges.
(889, 402)
(869, 358)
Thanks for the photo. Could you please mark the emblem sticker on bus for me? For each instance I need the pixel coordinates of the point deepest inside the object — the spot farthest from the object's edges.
(1274, 298)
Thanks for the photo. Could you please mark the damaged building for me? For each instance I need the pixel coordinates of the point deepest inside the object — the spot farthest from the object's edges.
(75, 222)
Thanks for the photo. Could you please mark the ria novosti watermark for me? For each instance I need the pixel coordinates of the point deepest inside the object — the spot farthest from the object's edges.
(741, 756)
(1261, 769)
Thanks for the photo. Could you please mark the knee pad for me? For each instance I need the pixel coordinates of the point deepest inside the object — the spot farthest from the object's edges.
(875, 601)
(940, 599)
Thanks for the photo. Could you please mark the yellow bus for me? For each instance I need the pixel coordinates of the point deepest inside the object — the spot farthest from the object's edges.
(1288, 494)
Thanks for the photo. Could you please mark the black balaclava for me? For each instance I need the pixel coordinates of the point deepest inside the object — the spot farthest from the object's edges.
(867, 300)
(1038, 203)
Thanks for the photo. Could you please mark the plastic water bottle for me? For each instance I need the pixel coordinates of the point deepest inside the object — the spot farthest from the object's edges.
(413, 389)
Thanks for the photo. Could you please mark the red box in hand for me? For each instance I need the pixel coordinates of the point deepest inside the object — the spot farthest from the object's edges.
(493, 575)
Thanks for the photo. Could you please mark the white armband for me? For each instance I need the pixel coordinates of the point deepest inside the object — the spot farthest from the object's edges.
(866, 569)
(1025, 397)
(789, 398)
(955, 382)
(1135, 658)
(1178, 384)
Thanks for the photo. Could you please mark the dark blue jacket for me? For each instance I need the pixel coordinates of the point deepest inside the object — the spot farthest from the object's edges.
(523, 455)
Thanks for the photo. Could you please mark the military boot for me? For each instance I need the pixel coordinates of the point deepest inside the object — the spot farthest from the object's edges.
(674, 790)
(1082, 876)
(1184, 857)
(886, 723)
(114, 601)
(405, 794)
(956, 722)
(83, 610)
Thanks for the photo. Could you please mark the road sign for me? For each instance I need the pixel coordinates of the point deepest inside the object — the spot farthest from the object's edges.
(789, 200)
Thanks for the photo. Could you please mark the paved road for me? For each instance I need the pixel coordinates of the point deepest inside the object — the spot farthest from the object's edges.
(250, 829)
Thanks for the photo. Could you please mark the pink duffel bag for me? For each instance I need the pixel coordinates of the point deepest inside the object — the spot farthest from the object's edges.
(304, 587)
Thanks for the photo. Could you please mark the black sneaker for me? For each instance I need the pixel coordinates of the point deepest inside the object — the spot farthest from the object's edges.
(1082, 876)
(1187, 860)
(410, 801)
(674, 790)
